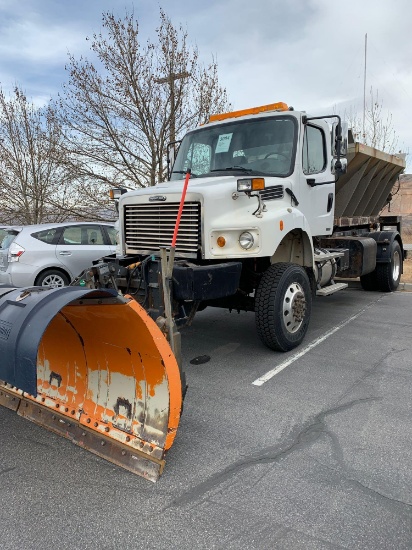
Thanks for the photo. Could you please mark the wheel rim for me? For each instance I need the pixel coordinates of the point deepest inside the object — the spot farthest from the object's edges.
(53, 281)
(294, 307)
(396, 265)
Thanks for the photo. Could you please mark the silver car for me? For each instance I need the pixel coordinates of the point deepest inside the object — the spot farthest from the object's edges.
(52, 254)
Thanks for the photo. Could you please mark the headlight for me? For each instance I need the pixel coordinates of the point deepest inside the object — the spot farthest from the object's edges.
(246, 240)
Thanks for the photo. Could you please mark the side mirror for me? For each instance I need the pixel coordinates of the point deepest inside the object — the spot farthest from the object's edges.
(340, 166)
(339, 140)
(172, 149)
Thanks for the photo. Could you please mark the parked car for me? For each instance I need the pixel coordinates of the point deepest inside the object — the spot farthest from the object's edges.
(52, 254)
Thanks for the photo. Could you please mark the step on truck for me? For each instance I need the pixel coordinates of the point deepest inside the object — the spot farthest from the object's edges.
(264, 209)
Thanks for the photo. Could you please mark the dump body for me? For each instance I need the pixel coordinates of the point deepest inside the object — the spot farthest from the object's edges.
(364, 190)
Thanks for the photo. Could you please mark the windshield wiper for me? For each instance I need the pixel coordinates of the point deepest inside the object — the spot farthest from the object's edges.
(241, 168)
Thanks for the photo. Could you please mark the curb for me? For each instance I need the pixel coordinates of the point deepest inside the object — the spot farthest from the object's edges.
(407, 287)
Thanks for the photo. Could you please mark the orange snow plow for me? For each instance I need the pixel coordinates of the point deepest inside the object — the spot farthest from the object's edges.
(93, 366)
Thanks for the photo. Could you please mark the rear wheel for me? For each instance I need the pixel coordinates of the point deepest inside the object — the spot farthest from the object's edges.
(389, 274)
(53, 278)
(369, 281)
(283, 306)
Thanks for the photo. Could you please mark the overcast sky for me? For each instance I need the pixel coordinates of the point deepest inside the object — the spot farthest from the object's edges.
(307, 53)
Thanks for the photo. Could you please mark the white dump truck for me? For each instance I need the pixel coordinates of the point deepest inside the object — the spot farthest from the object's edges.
(264, 209)
(280, 207)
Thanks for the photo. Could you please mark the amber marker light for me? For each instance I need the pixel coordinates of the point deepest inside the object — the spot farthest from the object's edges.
(116, 192)
(221, 241)
(250, 184)
(281, 225)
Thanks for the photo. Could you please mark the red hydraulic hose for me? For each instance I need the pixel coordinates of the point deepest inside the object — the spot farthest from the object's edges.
(179, 214)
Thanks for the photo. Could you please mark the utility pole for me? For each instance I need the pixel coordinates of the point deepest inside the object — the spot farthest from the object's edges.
(364, 89)
(170, 79)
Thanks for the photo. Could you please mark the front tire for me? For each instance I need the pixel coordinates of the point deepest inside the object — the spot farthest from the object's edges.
(283, 306)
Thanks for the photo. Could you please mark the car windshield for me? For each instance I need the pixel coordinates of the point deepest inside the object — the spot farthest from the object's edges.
(7, 237)
(263, 146)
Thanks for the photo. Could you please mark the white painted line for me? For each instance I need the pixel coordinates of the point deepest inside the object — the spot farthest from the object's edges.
(262, 379)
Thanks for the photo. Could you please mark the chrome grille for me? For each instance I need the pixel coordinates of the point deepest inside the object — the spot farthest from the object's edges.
(150, 226)
(271, 193)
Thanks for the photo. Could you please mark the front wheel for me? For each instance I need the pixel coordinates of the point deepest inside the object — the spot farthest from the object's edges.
(283, 306)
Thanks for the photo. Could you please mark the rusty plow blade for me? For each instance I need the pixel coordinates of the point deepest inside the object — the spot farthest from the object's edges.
(94, 367)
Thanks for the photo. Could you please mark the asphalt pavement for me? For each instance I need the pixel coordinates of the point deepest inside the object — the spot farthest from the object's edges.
(318, 456)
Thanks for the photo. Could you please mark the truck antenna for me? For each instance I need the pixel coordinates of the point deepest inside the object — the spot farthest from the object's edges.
(364, 90)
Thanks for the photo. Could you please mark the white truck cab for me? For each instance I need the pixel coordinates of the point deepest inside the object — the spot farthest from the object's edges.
(260, 227)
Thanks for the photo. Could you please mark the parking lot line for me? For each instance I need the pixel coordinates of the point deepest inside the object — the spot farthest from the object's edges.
(270, 374)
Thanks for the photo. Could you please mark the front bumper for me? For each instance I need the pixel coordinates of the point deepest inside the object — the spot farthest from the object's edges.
(206, 282)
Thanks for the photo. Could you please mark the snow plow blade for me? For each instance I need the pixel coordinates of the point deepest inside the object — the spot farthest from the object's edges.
(94, 367)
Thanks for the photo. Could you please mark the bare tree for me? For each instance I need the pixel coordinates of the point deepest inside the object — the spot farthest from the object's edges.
(378, 131)
(122, 110)
(35, 178)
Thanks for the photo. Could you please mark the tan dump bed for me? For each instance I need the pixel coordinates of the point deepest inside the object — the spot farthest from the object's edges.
(363, 191)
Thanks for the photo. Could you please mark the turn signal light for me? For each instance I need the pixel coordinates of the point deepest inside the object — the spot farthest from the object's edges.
(116, 192)
(250, 184)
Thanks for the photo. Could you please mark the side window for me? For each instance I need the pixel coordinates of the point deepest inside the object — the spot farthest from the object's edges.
(92, 234)
(314, 151)
(111, 231)
(82, 235)
(46, 236)
(71, 235)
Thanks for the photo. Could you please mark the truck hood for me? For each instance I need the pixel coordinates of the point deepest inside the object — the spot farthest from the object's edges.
(201, 186)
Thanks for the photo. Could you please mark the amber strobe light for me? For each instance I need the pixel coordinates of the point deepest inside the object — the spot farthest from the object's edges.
(280, 106)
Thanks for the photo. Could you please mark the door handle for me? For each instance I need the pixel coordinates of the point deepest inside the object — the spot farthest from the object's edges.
(65, 253)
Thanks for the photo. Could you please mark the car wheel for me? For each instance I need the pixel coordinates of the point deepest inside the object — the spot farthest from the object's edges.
(53, 278)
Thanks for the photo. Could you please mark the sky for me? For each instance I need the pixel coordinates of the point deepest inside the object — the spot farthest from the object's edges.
(309, 54)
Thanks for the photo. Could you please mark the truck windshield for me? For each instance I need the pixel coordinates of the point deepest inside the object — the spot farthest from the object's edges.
(263, 146)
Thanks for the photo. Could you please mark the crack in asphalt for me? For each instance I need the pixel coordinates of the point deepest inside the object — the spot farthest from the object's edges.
(7, 470)
(304, 437)
(301, 437)
(369, 372)
(364, 488)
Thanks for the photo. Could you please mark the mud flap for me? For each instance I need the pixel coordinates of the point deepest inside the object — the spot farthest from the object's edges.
(94, 367)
